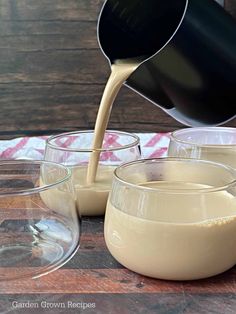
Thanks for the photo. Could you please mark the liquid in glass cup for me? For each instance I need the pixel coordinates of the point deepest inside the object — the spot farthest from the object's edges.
(207, 143)
(37, 235)
(173, 219)
(73, 149)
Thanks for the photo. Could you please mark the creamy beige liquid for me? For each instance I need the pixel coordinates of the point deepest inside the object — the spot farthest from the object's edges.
(223, 155)
(60, 201)
(120, 71)
(171, 236)
(92, 198)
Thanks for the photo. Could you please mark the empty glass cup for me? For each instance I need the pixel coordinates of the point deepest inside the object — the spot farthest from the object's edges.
(208, 143)
(74, 150)
(39, 221)
(173, 219)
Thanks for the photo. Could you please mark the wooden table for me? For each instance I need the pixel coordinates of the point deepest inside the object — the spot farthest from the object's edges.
(52, 74)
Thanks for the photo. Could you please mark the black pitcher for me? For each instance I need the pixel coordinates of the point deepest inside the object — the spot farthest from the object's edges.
(187, 53)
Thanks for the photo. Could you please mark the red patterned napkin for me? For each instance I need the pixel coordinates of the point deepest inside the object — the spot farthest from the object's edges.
(152, 145)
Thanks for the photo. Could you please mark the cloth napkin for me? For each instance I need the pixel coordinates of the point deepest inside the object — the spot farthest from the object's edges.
(152, 145)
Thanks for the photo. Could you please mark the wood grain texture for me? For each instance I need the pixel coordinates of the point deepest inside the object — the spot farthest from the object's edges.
(61, 112)
(88, 281)
(49, 10)
(154, 303)
(52, 72)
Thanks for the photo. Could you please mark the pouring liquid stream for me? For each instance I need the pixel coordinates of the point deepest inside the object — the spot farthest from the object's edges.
(120, 71)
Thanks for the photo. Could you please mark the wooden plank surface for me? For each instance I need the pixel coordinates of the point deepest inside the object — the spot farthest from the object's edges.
(52, 72)
(89, 281)
(50, 10)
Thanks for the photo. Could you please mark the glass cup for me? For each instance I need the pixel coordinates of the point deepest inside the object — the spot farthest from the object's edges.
(40, 225)
(74, 150)
(208, 143)
(173, 219)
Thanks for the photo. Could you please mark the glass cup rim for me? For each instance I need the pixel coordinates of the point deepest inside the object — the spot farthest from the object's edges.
(38, 189)
(90, 150)
(174, 136)
(175, 190)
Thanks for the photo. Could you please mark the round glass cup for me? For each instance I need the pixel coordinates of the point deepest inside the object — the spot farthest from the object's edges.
(40, 225)
(74, 150)
(173, 219)
(208, 143)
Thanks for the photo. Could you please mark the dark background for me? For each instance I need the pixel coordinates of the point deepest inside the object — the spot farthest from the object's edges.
(52, 72)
